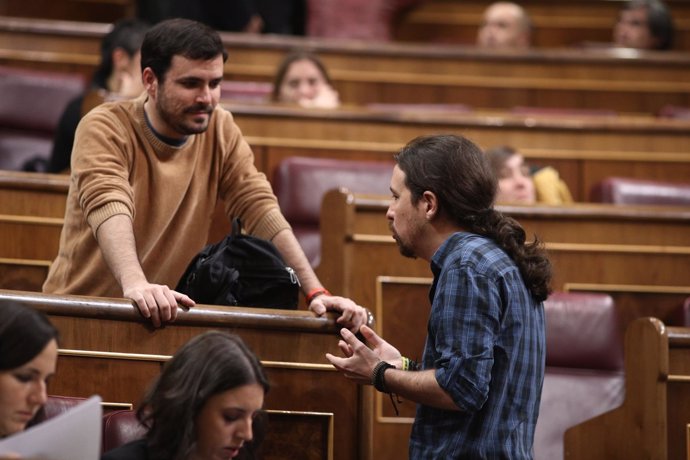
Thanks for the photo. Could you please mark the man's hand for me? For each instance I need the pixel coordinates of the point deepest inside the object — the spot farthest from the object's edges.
(352, 316)
(360, 360)
(157, 302)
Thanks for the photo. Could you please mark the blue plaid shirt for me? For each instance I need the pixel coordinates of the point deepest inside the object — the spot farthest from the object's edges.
(486, 341)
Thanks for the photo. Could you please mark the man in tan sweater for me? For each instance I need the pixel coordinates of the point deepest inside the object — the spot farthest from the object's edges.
(147, 175)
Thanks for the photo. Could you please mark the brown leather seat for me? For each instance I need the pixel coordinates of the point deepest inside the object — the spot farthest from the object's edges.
(301, 182)
(620, 190)
(120, 427)
(584, 367)
(54, 406)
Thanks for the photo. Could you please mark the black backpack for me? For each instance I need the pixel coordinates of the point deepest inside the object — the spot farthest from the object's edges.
(241, 270)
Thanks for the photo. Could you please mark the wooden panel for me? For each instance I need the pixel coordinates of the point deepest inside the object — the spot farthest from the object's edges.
(33, 194)
(26, 237)
(311, 431)
(652, 422)
(23, 274)
(402, 311)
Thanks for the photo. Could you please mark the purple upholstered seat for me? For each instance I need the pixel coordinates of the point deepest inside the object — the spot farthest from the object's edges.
(301, 182)
(620, 190)
(584, 367)
(30, 108)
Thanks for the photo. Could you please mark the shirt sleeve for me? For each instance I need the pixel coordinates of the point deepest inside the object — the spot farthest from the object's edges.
(467, 325)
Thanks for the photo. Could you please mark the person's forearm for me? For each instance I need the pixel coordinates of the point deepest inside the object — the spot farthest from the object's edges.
(420, 387)
(116, 239)
(294, 256)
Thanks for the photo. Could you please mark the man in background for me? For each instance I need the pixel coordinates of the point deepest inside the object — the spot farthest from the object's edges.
(505, 25)
(645, 25)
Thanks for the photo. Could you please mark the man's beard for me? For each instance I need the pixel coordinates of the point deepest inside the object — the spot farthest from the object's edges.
(405, 250)
(177, 122)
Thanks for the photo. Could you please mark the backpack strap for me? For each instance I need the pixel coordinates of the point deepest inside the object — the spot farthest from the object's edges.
(236, 226)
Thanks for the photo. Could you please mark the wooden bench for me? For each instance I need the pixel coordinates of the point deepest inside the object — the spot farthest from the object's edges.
(653, 421)
(638, 255)
(410, 73)
(106, 348)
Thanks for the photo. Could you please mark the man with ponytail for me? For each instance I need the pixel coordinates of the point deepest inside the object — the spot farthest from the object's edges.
(479, 384)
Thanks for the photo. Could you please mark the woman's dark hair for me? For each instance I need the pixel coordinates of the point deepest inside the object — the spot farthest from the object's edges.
(459, 174)
(498, 156)
(179, 37)
(210, 363)
(284, 66)
(128, 35)
(24, 333)
(659, 21)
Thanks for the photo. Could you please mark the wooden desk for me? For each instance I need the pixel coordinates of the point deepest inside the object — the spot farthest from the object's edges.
(652, 422)
(412, 73)
(106, 348)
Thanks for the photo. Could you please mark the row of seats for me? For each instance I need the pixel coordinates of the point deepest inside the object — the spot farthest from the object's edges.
(301, 182)
(30, 109)
(584, 374)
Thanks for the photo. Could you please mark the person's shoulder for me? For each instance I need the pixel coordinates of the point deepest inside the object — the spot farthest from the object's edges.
(476, 252)
(134, 450)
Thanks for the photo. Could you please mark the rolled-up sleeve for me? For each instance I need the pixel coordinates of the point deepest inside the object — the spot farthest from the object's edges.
(466, 332)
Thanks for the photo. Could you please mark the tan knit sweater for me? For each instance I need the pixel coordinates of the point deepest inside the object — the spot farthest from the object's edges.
(120, 167)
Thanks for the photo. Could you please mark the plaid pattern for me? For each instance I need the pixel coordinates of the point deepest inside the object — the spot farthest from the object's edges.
(486, 341)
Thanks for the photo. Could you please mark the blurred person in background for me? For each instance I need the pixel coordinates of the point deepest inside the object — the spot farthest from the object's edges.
(505, 25)
(517, 184)
(645, 25)
(302, 79)
(118, 76)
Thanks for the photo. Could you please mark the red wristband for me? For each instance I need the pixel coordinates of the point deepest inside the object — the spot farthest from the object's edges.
(314, 293)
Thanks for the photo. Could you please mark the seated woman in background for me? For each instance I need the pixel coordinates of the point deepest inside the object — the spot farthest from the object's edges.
(28, 355)
(303, 79)
(203, 404)
(118, 76)
(516, 185)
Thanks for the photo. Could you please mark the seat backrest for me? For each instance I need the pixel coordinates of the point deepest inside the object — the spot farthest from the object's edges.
(562, 112)
(54, 406)
(584, 366)
(620, 190)
(34, 100)
(356, 19)
(120, 427)
(301, 182)
(247, 91)
(680, 317)
(674, 111)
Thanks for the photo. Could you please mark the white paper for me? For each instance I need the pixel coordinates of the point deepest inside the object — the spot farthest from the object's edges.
(74, 434)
